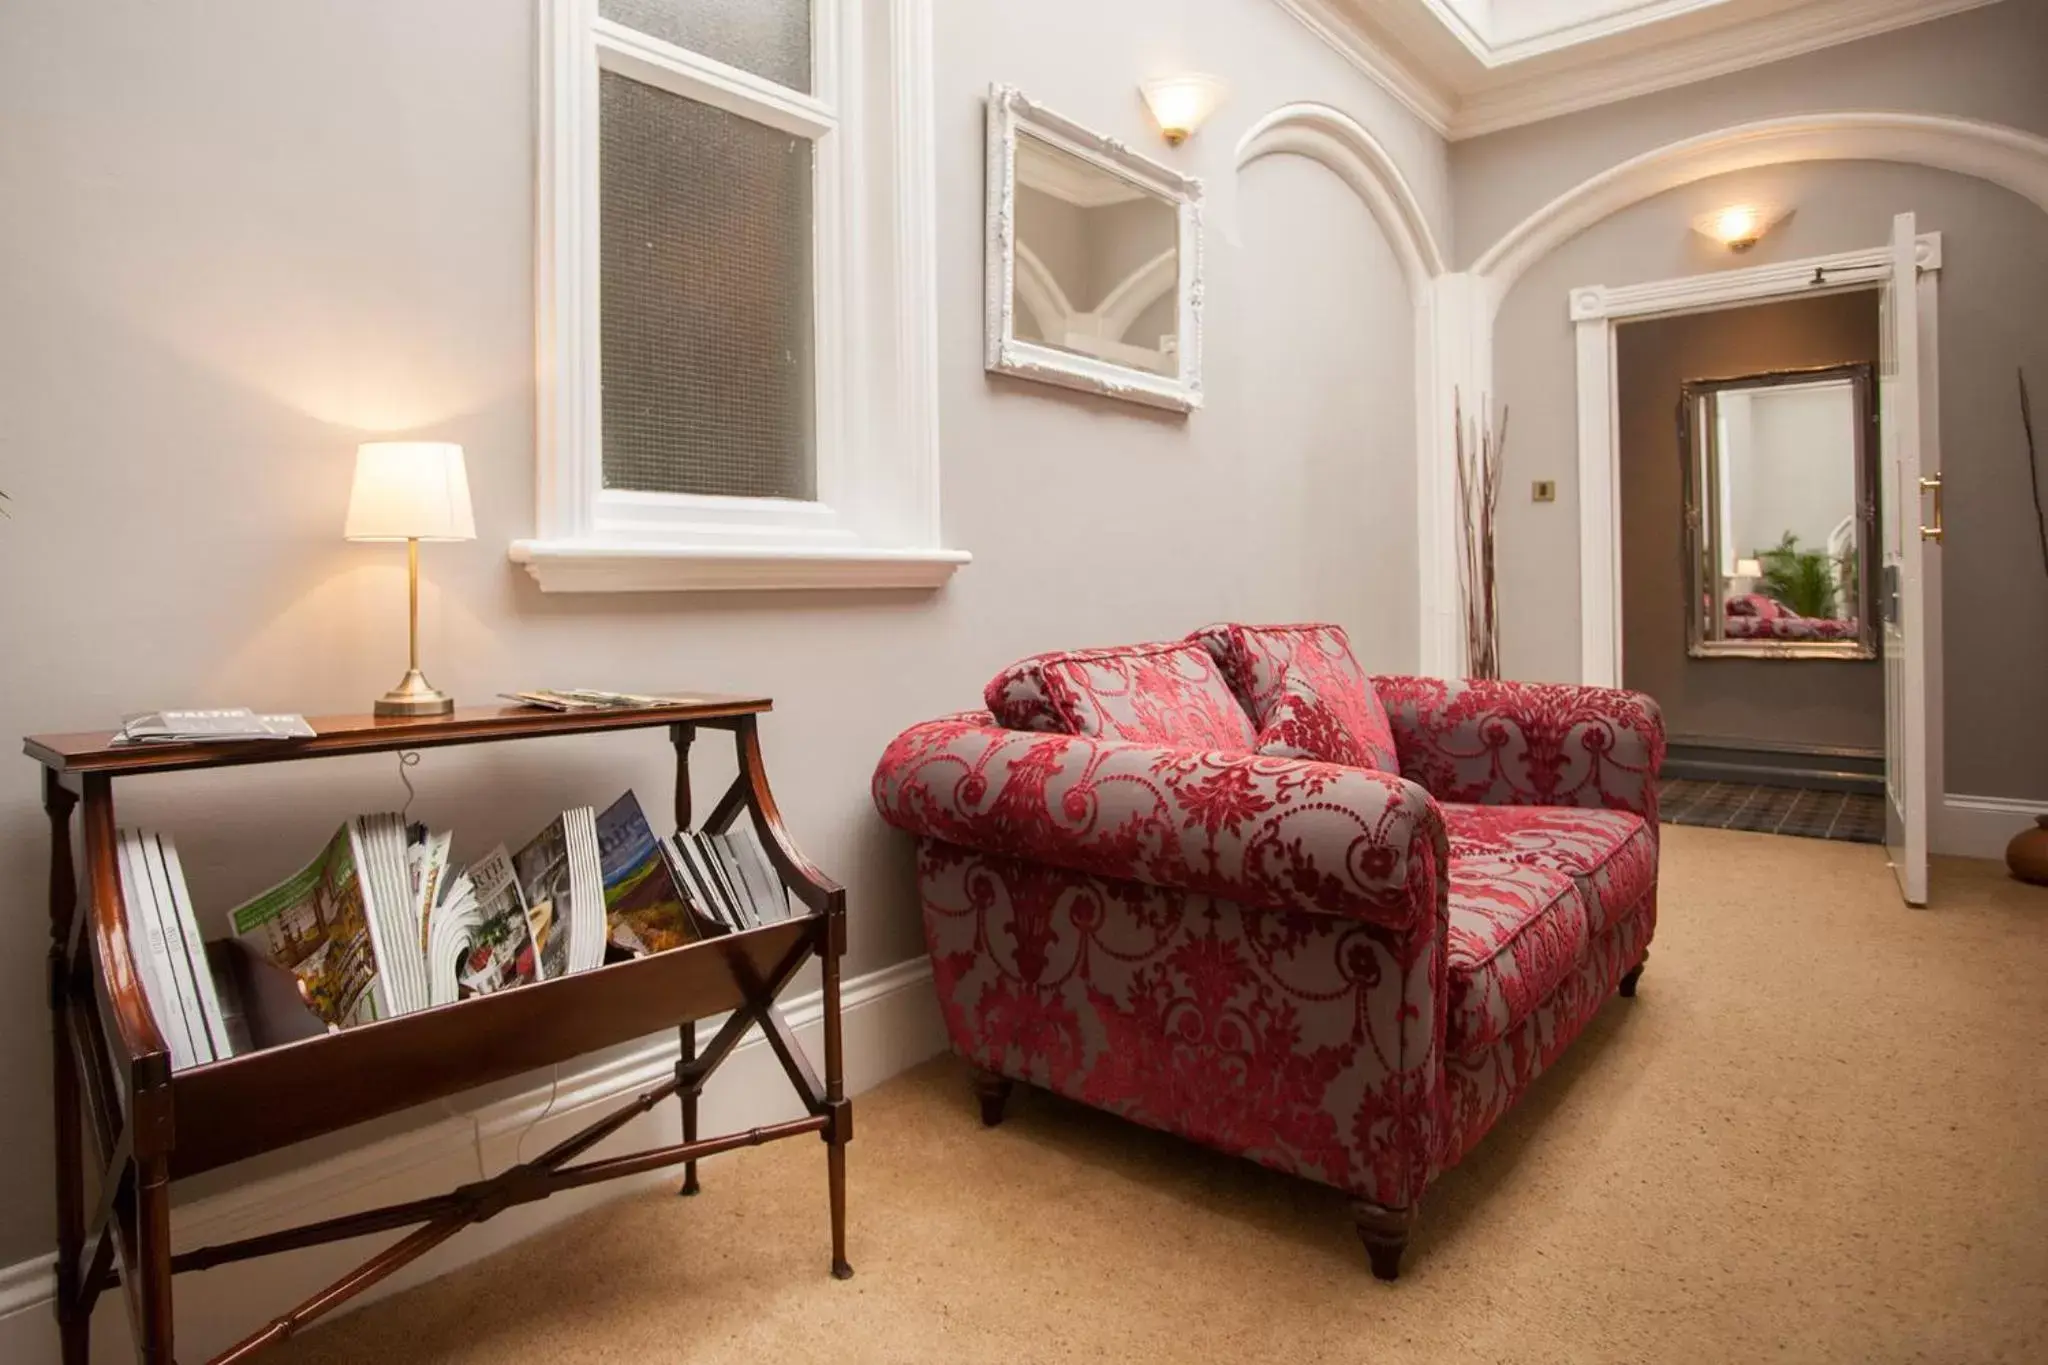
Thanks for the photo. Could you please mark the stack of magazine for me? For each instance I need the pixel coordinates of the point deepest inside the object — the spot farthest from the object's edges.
(728, 876)
(384, 922)
(170, 955)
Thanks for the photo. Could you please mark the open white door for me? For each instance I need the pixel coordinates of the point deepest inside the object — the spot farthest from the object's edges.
(1904, 586)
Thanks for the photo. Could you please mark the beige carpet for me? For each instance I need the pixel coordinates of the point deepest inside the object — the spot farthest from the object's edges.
(1819, 1134)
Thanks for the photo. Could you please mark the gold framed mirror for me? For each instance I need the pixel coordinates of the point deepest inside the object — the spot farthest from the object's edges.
(1781, 514)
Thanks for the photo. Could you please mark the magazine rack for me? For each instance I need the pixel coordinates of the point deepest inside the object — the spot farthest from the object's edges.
(153, 1127)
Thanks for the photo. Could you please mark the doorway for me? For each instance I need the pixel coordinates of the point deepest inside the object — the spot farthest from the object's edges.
(1747, 462)
(1904, 275)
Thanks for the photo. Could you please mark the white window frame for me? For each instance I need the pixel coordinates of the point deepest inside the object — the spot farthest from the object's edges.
(874, 521)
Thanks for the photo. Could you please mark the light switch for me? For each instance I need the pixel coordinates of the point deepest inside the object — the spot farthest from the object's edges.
(1543, 490)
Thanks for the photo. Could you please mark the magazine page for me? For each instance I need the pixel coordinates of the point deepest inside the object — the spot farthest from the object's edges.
(698, 881)
(373, 886)
(452, 927)
(588, 934)
(316, 926)
(183, 977)
(545, 884)
(643, 905)
(151, 950)
(771, 897)
(195, 947)
(736, 885)
(428, 861)
(703, 920)
(502, 953)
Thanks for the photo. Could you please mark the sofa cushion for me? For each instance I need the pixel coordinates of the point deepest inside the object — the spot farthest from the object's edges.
(1610, 855)
(1516, 932)
(1164, 694)
(1306, 693)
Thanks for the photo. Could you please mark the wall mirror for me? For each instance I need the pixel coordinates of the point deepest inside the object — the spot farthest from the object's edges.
(1781, 515)
(1094, 260)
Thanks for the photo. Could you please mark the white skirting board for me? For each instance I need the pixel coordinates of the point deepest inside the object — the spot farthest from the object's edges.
(1980, 826)
(891, 1024)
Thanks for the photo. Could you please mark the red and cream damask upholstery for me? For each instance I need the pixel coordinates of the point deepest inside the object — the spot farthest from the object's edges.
(1305, 692)
(1149, 694)
(1527, 744)
(1610, 855)
(1329, 968)
(1273, 833)
(1515, 932)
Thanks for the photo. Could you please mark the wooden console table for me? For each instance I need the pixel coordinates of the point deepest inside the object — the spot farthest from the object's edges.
(153, 1127)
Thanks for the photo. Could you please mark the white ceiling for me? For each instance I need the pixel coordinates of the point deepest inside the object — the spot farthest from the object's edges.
(1469, 67)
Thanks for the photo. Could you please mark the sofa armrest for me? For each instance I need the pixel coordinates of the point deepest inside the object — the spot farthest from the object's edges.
(1276, 833)
(1527, 744)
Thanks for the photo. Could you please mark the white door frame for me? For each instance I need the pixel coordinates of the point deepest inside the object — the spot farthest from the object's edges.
(1597, 310)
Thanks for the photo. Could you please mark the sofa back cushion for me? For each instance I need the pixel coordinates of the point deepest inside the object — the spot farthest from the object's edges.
(1168, 694)
(1305, 692)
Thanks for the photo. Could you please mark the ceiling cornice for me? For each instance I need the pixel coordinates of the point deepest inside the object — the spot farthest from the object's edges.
(1402, 46)
(1721, 53)
(1423, 97)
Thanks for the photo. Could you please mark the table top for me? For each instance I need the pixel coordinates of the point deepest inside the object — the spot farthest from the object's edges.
(93, 752)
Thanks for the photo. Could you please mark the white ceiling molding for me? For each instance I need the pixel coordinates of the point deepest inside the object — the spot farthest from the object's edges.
(1466, 71)
(1500, 36)
(1629, 75)
(1341, 143)
(2004, 156)
(1421, 95)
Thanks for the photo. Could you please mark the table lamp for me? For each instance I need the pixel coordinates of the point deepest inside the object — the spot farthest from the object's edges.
(411, 491)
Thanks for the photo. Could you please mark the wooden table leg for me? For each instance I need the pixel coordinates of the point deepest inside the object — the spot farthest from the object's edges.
(153, 1239)
(837, 1136)
(74, 1328)
(686, 1092)
(681, 736)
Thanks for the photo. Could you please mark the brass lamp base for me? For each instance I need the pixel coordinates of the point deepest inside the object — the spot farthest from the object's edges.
(414, 696)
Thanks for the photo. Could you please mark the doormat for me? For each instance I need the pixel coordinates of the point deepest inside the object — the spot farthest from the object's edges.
(1853, 817)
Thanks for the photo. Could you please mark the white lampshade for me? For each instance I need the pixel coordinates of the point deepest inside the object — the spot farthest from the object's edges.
(409, 490)
(1181, 103)
(1749, 568)
(1738, 226)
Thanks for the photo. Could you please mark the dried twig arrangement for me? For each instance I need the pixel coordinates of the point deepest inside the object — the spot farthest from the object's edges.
(1479, 446)
(2034, 468)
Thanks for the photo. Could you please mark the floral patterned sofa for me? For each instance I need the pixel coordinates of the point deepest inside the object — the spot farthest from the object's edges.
(1232, 888)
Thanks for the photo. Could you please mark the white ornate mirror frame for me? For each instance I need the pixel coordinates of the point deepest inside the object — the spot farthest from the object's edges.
(1010, 110)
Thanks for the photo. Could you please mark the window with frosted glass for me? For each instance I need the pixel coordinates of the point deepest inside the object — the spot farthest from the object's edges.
(705, 287)
(770, 38)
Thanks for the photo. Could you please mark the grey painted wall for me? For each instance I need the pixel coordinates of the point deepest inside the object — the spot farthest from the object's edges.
(1994, 292)
(1761, 701)
(1982, 64)
(242, 236)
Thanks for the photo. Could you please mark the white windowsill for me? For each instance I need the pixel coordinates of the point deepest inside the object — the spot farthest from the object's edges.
(587, 566)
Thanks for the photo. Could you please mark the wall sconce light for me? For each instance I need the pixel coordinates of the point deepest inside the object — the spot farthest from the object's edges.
(1738, 226)
(1180, 103)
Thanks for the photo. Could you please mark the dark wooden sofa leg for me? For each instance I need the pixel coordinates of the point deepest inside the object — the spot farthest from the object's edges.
(994, 1092)
(1635, 974)
(1385, 1234)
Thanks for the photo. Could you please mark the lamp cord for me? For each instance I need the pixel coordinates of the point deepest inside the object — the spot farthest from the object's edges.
(407, 758)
